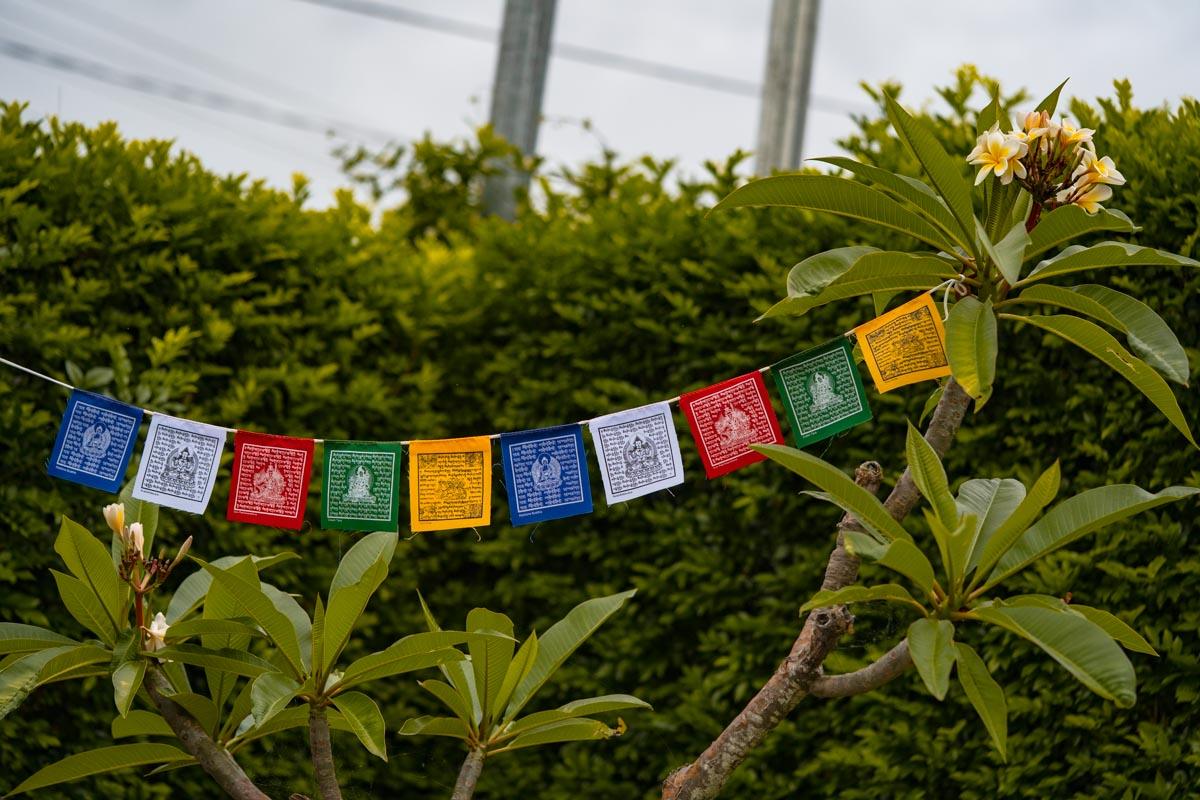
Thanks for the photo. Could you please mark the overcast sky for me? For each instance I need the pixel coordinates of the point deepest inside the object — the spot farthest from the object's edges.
(375, 77)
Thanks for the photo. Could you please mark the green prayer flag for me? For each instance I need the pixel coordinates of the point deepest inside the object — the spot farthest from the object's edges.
(361, 486)
(822, 391)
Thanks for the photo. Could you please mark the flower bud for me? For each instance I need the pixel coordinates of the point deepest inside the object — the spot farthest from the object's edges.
(137, 539)
(114, 515)
(183, 551)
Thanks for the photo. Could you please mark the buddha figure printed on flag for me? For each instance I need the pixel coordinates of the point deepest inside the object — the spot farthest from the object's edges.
(269, 486)
(823, 390)
(734, 427)
(358, 486)
(546, 473)
(180, 469)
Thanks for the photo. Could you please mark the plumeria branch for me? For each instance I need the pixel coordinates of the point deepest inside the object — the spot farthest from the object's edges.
(889, 666)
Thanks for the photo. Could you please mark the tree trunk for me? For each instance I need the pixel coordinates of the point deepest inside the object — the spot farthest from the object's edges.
(795, 677)
(468, 776)
(322, 754)
(213, 758)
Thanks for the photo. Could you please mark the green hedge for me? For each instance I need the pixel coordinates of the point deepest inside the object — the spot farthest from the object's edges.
(129, 266)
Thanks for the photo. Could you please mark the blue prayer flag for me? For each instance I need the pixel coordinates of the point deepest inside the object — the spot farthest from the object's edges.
(95, 441)
(546, 474)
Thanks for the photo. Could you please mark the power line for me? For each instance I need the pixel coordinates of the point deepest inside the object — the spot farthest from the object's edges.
(192, 58)
(578, 53)
(185, 93)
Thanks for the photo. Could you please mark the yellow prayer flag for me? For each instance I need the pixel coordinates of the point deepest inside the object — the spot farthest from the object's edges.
(450, 483)
(905, 345)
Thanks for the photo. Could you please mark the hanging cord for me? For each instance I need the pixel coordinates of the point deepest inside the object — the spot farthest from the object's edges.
(955, 285)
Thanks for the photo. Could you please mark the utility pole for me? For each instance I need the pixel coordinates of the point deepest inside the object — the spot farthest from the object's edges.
(517, 92)
(790, 45)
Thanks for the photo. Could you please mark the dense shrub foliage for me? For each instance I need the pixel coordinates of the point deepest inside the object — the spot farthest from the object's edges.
(130, 268)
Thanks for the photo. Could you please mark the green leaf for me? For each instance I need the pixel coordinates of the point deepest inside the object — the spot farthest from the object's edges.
(931, 402)
(1007, 253)
(927, 473)
(18, 638)
(1084, 649)
(98, 762)
(832, 195)
(991, 501)
(1078, 516)
(205, 627)
(201, 708)
(85, 607)
(992, 547)
(573, 710)
(126, 680)
(945, 173)
(365, 720)
(1103, 256)
(842, 490)
(140, 723)
(518, 668)
(1100, 343)
(452, 699)
(345, 607)
(1049, 103)
(289, 718)
(902, 556)
(255, 603)
(863, 545)
(887, 592)
(816, 272)
(1147, 333)
(235, 662)
(931, 645)
(88, 560)
(20, 676)
(971, 346)
(417, 651)
(366, 552)
(884, 271)
(435, 726)
(270, 693)
(571, 730)
(1125, 635)
(287, 605)
(75, 662)
(220, 603)
(991, 115)
(1070, 221)
(561, 640)
(490, 656)
(919, 195)
(985, 695)
(192, 590)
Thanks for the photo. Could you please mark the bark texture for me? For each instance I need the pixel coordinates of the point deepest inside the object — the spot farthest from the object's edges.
(468, 776)
(801, 670)
(322, 754)
(892, 664)
(214, 759)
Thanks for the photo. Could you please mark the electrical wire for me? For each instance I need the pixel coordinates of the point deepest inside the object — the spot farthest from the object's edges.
(580, 53)
(186, 93)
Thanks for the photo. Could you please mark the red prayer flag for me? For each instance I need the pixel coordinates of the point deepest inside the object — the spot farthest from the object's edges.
(270, 479)
(727, 418)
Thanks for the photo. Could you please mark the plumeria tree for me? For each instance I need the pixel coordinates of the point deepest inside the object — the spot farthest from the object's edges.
(1003, 241)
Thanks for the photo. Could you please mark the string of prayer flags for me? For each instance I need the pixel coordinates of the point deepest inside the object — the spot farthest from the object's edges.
(95, 441)
(362, 487)
(822, 391)
(179, 463)
(727, 418)
(270, 479)
(905, 345)
(450, 483)
(546, 474)
(638, 452)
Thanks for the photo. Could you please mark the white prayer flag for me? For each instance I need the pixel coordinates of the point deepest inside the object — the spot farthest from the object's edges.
(638, 452)
(179, 463)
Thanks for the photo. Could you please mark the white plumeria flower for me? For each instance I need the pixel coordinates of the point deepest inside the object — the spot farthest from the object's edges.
(1097, 170)
(1068, 134)
(114, 515)
(157, 633)
(137, 538)
(999, 154)
(1090, 200)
